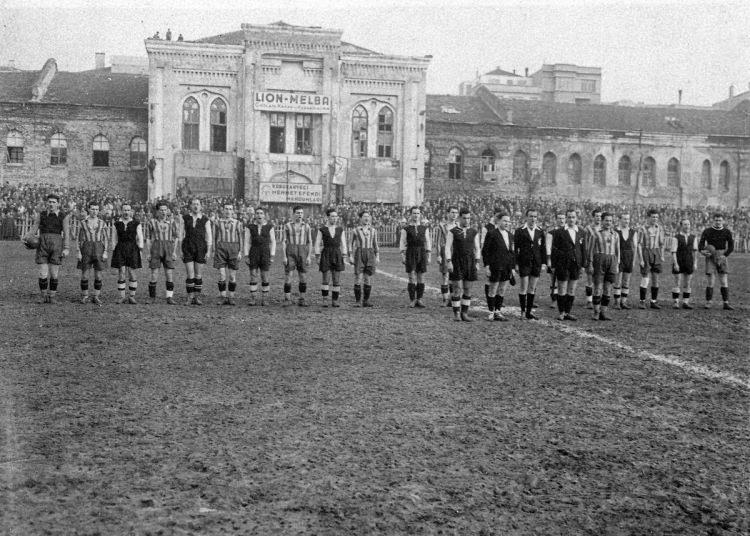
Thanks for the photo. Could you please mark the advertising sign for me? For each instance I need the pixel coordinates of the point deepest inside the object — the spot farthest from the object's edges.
(279, 101)
(281, 192)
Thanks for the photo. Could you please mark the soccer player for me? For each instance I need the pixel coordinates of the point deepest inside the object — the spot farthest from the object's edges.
(559, 223)
(464, 253)
(716, 244)
(605, 262)
(330, 250)
(652, 239)
(92, 252)
(568, 256)
(364, 255)
(441, 236)
(416, 253)
(590, 234)
(628, 249)
(53, 228)
(499, 261)
(260, 249)
(196, 244)
(296, 243)
(530, 254)
(228, 236)
(162, 237)
(684, 263)
(127, 242)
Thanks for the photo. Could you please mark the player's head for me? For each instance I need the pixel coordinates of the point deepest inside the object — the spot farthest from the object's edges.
(560, 218)
(415, 213)
(162, 210)
(195, 205)
(227, 210)
(597, 215)
(685, 225)
(718, 218)
(532, 215)
(299, 213)
(653, 216)
(502, 220)
(127, 210)
(452, 213)
(93, 208)
(464, 216)
(365, 217)
(571, 217)
(624, 220)
(259, 214)
(332, 215)
(53, 201)
(607, 220)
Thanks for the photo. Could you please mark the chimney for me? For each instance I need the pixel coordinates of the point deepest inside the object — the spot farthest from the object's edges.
(527, 72)
(99, 60)
(731, 91)
(679, 96)
(514, 70)
(48, 72)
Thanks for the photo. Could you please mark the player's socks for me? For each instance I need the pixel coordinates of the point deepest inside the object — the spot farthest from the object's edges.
(121, 288)
(490, 301)
(561, 301)
(487, 291)
(724, 293)
(499, 302)
(198, 288)
(569, 303)
(189, 286)
(420, 291)
(643, 291)
(265, 288)
(357, 293)
(132, 287)
(152, 289)
(465, 303)
(709, 293)
(43, 282)
(411, 288)
(676, 294)
(97, 289)
(589, 294)
(302, 287)
(529, 302)
(232, 286)
(335, 291)
(444, 293)
(654, 293)
(253, 291)
(287, 292)
(456, 305)
(170, 289)
(604, 307)
(324, 290)
(84, 288)
(366, 290)
(222, 288)
(686, 297)
(522, 302)
(617, 294)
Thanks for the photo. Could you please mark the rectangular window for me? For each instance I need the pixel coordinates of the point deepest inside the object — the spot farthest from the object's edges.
(589, 86)
(190, 136)
(277, 132)
(58, 156)
(219, 138)
(385, 135)
(15, 155)
(303, 134)
(101, 158)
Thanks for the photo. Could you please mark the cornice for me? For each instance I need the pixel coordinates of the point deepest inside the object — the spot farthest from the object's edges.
(204, 73)
(372, 82)
(181, 49)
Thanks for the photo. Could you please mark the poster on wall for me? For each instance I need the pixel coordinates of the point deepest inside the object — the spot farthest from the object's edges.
(281, 192)
(275, 101)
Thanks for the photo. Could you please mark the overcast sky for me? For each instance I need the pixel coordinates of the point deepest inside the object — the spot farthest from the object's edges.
(647, 50)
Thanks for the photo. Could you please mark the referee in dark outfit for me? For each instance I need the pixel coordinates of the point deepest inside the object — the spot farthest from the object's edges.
(568, 259)
(530, 251)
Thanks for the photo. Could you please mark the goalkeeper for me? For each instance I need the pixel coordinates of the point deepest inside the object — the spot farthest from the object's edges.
(716, 244)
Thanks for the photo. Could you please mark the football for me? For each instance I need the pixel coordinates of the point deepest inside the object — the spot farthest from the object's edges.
(30, 241)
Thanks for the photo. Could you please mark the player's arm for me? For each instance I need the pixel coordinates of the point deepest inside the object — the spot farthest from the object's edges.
(428, 244)
(66, 235)
(375, 246)
(618, 253)
(248, 242)
(209, 238)
(673, 250)
(641, 247)
(662, 243)
(449, 249)
(79, 239)
(344, 248)
(318, 243)
(477, 250)
(272, 232)
(702, 243)
(548, 247)
(352, 245)
(695, 250)
(309, 241)
(139, 235)
(107, 240)
(402, 245)
(284, 231)
(730, 242)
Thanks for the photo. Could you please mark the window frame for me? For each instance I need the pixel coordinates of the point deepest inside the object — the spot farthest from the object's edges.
(303, 134)
(100, 155)
(549, 172)
(218, 130)
(58, 149)
(706, 178)
(651, 183)
(600, 173)
(191, 130)
(516, 161)
(674, 176)
(15, 153)
(488, 161)
(359, 143)
(620, 171)
(725, 175)
(385, 135)
(136, 160)
(455, 163)
(277, 131)
(575, 169)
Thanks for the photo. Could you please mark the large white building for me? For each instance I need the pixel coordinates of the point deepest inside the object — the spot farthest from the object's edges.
(285, 113)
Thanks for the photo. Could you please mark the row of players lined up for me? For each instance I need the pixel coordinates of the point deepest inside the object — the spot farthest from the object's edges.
(605, 254)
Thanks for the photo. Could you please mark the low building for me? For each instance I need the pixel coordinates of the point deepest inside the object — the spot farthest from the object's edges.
(504, 85)
(564, 82)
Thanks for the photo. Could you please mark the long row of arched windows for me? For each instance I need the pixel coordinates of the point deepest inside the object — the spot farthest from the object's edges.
(191, 123)
(360, 124)
(58, 144)
(625, 169)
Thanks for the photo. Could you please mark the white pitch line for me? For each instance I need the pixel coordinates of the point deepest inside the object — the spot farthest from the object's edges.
(699, 370)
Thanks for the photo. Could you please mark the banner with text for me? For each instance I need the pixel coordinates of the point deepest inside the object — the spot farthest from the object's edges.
(275, 101)
(280, 192)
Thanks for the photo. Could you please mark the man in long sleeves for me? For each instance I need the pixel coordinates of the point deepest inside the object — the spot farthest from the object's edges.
(464, 253)
(499, 262)
(716, 244)
(568, 260)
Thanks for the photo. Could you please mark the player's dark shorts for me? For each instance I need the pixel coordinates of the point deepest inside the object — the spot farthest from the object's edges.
(443, 262)
(651, 262)
(605, 268)
(91, 255)
(331, 260)
(161, 255)
(499, 273)
(194, 251)
(464, 269)
(126, 254)
(626, 260)
(529, 270)
(364, 261)
(50, 249)
(259, 257)
(686, 264)
(225, 255)
(719, 268)
(416, 260)
(296, 258)
(567, 271)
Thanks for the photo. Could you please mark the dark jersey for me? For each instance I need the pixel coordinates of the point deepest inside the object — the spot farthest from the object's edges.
(195, 230)
(720, 239)
(51, 223)
(260, 235)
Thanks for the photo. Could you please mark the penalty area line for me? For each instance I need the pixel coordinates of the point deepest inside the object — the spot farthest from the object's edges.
(698, 370)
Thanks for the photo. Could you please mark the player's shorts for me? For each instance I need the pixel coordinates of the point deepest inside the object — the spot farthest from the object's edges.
(364, 261)
(161, 255)
(605, 268)
(567, 271)
(194, 251)
(331, 260)
(50, 248)
(626, 260)
(686, 265)
(259, 257)
(499, 274)
(529, 270)
(464, 269)
(225, 255)
(712, 266)
(443, 262)
(126, 254)
(91, 256)
(296, 258)
(416, 260)
(651, 262)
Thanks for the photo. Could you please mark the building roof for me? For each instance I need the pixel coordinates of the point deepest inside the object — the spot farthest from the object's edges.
(500, 72)
(97, 87)
(540, 114)
(733, 102)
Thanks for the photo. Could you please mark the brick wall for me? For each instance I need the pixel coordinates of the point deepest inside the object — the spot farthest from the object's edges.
(79, 124)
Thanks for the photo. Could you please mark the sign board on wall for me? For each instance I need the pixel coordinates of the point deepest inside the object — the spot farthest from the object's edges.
(281, 192)
(280, 101)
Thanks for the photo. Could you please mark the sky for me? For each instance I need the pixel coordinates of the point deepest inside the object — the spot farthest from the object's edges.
(647, 50)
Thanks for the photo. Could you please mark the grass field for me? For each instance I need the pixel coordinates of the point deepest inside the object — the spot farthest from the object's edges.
(150, 419)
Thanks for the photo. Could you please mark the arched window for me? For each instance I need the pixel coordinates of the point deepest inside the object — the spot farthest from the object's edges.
(673, 173)
(14, 143)
(58, 148)
(549, 169)
(575, 168)
(359, 132)
(724, 175)
(455, 164)
(138, 153)
(520, 166)
(649, 172)
(303, 133)
(428, 163)
(624, 169)
(706, 175)
(218, 126)
(191, 115)
(600, 170)
(488, 161)
(101, 151)
(385, 133)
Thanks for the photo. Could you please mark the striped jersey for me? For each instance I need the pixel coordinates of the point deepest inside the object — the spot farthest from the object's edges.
(297, 234)
(365, 237)
(606, 242)
(441, 233)
(652, 237)
(228, 230)
(165, 231)
(92, 231)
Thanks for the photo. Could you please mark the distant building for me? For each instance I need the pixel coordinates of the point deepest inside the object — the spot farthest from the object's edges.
(562, 82)
(504, 85)
(735, 99)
